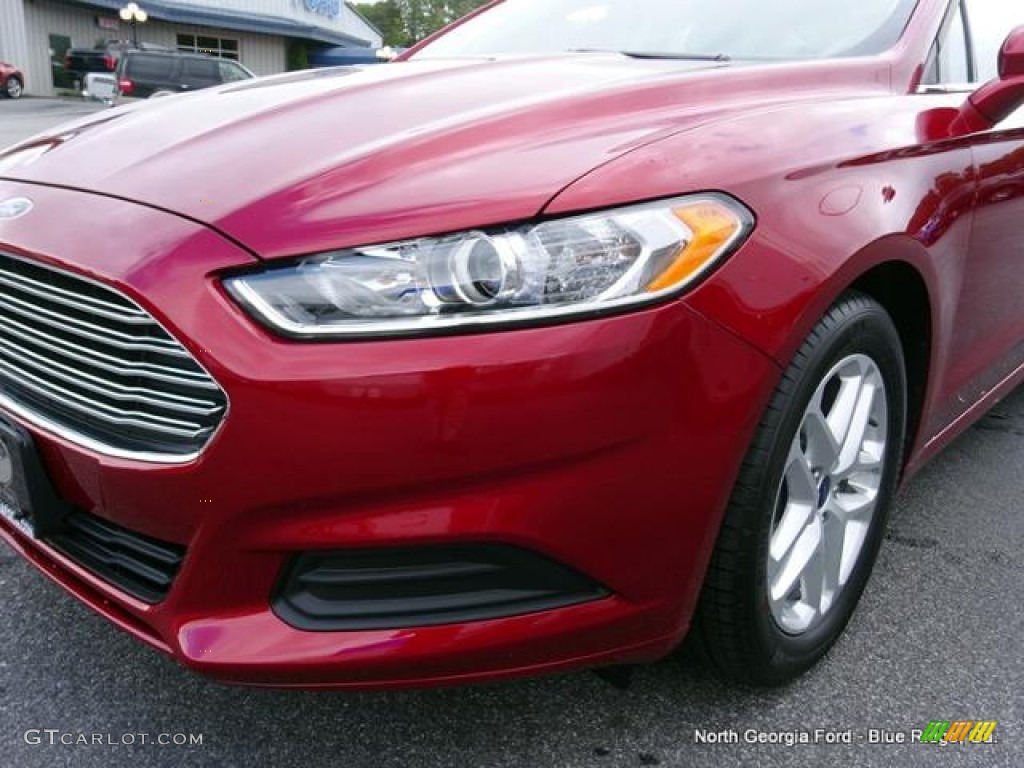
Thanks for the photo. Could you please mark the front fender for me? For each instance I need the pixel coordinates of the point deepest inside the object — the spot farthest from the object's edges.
(837, 190)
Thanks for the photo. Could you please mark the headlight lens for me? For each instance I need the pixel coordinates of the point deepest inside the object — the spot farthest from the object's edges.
(555, 269)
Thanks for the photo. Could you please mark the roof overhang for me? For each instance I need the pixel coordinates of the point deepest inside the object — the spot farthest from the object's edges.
(183, 13)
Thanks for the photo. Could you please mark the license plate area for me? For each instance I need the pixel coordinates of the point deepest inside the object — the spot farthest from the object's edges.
(27, 499)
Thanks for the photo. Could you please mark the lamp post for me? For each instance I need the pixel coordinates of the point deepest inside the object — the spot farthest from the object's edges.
(135, 16)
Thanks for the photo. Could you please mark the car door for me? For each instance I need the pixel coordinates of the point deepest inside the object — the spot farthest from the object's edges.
(995, 289)
(987, 340)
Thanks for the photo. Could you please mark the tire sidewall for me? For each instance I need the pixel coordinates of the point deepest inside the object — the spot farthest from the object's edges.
(869, 332)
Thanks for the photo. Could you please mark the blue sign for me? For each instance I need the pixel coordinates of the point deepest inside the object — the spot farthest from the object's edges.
(329, 8)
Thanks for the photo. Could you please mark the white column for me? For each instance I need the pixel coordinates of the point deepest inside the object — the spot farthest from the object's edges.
(13, 33)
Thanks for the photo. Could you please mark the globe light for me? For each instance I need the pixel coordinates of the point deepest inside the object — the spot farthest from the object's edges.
(133, 14)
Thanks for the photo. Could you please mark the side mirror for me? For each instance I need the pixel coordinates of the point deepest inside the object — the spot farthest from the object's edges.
(996, 100)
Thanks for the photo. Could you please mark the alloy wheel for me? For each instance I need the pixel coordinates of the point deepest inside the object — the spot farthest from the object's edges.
(828, 495)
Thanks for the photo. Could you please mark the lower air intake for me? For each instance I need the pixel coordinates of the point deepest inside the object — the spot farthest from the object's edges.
(139, 565)
(392, 588)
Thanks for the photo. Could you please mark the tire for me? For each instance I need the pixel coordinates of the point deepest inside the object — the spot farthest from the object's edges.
(13, 87)
(753, 621)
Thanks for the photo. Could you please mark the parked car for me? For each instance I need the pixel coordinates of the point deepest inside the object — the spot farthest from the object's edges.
(79, 62)
(580, 328)
(99, 86)
(12, 81)
(103, 59)
(143, 74)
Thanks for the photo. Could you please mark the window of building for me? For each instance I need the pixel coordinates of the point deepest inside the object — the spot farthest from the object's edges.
(222, 47)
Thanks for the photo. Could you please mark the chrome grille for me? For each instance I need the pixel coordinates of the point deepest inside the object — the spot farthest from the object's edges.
(85, 361)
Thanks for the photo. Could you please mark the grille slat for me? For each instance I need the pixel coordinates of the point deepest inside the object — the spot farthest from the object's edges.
(110, 389)
(66, 298)
(110, 559)
(116, 537)
(109, 363)
(90, 331)
(351, 577)
(96, 409)
(80, 357)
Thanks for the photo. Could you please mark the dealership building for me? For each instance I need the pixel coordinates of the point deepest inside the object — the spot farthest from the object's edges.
(264, 35)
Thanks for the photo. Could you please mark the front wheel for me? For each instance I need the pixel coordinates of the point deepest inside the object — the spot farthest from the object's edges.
(808, 513)
(13, 88)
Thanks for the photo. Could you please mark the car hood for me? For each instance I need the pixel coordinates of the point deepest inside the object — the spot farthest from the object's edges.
(326, 159)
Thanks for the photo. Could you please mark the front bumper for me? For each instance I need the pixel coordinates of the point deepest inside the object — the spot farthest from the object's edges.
(609, 446)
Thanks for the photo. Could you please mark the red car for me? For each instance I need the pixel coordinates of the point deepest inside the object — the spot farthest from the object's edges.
(12, 81)
(583, 327)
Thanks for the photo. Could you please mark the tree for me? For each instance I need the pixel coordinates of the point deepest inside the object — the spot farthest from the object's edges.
(405, 22)
(297, 54)
(386, 17)
(421, 18)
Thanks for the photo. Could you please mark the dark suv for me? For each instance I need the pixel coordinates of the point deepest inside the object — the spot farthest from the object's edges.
(141, 74)
(79, 62)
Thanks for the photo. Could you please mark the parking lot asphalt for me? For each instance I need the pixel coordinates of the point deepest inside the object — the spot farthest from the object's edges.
(937, 637)
(27, 116)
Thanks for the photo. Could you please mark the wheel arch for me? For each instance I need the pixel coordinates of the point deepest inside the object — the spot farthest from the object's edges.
(898, 272)
(901, 289)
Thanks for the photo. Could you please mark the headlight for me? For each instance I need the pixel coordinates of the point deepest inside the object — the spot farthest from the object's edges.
(556, 269)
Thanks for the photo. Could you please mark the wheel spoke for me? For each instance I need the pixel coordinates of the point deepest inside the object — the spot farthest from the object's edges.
(801, 498)
(813, 581)
(868, 463)
(800, 481)
(859, 424)
(833, 540)
(844, 407)
(854, 502)
(794, 521)
(795, 562)
(822, 444)
(853, 543)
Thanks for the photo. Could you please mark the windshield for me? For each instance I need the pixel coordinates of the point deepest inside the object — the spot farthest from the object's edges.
(735, 29)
